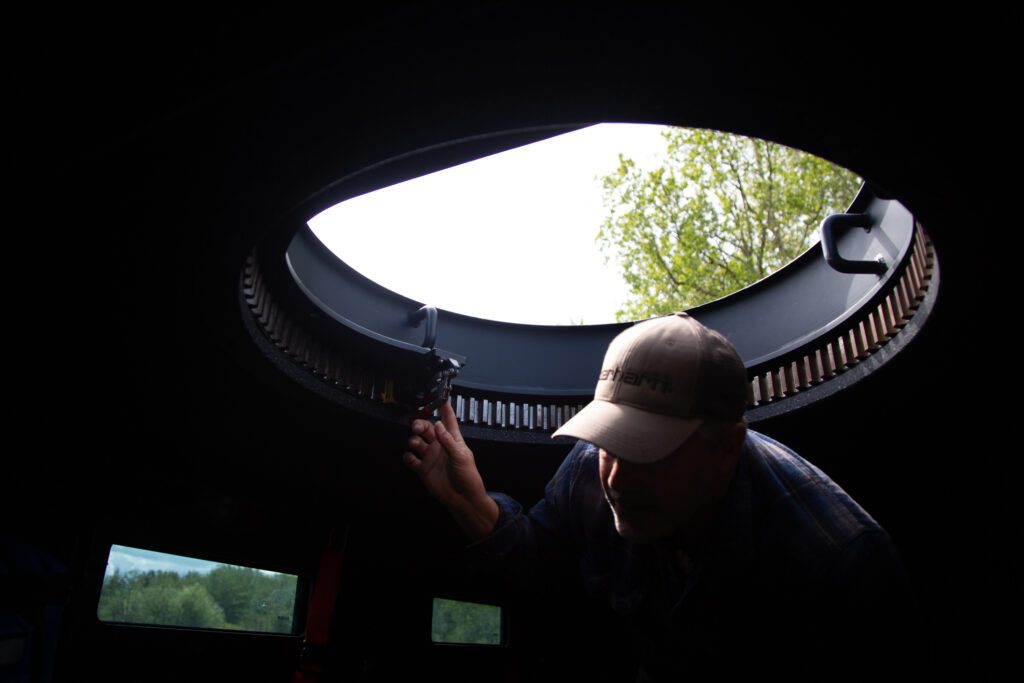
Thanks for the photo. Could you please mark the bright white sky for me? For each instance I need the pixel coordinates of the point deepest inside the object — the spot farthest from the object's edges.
(508, 237)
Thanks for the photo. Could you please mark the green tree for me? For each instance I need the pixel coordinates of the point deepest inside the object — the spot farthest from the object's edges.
(455, 621)
(252, 600)
(233, 589)
(228, 597)
(193, 606)
(723, 212)
(159, 598)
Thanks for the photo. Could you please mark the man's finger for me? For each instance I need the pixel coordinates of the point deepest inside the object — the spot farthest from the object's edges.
(424, 428)
(411, 461)
(450, 422)
(447, 440)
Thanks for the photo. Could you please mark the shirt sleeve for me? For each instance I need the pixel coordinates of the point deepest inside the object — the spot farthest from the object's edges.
(866, 600)
(528, 545)
(869, 571)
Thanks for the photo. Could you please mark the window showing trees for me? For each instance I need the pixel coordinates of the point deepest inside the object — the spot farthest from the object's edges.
(148, 587)
(466, 623)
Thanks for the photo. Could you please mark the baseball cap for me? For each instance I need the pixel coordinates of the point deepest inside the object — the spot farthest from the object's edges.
(660, 379)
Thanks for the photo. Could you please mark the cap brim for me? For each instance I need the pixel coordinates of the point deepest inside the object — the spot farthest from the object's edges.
(629, 433)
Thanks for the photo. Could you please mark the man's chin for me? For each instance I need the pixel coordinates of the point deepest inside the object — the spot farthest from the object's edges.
(635, 533)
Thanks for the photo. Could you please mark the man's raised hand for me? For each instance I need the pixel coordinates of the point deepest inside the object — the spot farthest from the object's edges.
(445, 465)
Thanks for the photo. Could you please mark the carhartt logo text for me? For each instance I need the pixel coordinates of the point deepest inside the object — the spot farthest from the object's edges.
(617, 374)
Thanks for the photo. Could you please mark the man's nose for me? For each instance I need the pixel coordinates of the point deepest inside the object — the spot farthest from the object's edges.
(622, 474)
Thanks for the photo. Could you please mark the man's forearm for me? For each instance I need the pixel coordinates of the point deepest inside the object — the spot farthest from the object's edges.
(476, 519)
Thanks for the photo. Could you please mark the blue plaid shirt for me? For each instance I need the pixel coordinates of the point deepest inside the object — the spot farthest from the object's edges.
(792, 559)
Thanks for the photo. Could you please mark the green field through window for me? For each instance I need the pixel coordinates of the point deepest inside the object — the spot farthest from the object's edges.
(158, 589)
(466, 623)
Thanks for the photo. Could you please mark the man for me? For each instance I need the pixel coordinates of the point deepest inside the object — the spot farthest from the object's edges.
(711, 540)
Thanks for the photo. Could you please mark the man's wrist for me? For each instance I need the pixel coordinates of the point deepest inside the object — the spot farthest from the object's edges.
(479, 518)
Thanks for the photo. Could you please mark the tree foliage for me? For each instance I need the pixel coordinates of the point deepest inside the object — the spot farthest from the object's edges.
(465, 622)
(723, 212)
(227, 597)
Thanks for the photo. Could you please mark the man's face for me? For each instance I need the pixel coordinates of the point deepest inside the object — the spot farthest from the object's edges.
(651, 502)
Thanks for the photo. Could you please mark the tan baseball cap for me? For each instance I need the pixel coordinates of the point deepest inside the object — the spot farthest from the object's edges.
(659, 380)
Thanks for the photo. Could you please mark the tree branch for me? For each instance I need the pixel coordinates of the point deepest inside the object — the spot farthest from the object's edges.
(661, 260)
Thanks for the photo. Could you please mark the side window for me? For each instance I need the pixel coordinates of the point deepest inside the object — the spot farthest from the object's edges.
(465, 623)
(158, 589)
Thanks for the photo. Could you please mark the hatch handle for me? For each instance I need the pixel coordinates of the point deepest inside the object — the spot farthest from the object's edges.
(430, 313)
(844, 221)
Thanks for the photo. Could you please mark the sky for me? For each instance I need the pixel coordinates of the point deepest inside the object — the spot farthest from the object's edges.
(130, 559)
(126, 559)
(509, 237)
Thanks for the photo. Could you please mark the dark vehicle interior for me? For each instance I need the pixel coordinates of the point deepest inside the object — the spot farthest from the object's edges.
(183, 387)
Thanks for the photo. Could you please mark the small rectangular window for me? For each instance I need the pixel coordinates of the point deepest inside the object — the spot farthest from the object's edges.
(158, 589)
(466, 623)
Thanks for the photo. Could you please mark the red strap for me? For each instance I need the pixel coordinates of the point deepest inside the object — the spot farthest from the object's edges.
(318, 622)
